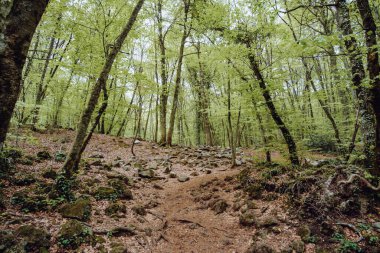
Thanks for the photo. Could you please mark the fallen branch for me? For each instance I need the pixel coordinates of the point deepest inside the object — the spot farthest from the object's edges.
(353, 228)
(365, 181)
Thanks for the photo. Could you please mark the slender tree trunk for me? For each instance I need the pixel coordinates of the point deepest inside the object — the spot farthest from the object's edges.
(73, 158)
(164, 86)
(276, 117)
(14, 45)
(229, 118)
(178, 75)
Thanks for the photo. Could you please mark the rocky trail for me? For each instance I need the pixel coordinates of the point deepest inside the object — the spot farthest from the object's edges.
(175, 199)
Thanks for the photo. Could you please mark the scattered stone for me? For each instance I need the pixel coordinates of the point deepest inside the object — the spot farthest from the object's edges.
(34, 239)
(194, 174)
(28, 202)
(80, 209)
(103, 192)
(248, 218)
(22, 179)
(140, 210)
(146, 173)
(220, 206)
(304, 232)
(172, 175)
(118, 248)
(73, 233)
(7, 240)
(267, 222)
(376, 226)
(183, 178)
(115, 208)
(99, 156)
(260, 247)
(44, 155)
(50, 174)
(121, 189)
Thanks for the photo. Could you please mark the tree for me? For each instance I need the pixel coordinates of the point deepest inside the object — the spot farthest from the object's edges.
(14, 45)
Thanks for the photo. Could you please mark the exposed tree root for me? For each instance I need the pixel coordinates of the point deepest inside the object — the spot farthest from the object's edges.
(365, 181)
(353, 228)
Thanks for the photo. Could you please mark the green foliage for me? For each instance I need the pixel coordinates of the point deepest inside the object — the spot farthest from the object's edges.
(63, 187)
(346, 246)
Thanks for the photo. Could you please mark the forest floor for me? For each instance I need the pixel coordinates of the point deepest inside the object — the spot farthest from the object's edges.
(176, 199)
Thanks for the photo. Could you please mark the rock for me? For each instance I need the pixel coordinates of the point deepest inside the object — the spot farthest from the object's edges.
(376, 226)
(152, 165)
(248, 218)
(267, 222)
(220, 206)
(34, 239)
(183, 178)
(194, 174)
(28, 202)
(304, 232)
(121, 188)
(94, 162)
(350, 207)
(115, 208)
(103, 192)
(137, 142)
(50, 174)
(99, 156)
(118, 248)
(172, 175)
(146, 173)
(44, 155)
(140, 210)
(22, 179)
(260, 247)
(73, 233)
(80, 210)
(296, 246)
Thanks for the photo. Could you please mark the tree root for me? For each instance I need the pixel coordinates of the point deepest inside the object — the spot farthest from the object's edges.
(353, 228)
(365, 181)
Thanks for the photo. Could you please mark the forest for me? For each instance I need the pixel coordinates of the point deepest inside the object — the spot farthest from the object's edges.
(246, 126)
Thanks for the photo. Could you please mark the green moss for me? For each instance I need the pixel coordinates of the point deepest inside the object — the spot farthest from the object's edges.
(108, 193)
(73, 233)
(80, 209)
(29, 202)
(35, 239)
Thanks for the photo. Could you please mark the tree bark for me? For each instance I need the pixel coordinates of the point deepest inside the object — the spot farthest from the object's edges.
(18, 22)
(373, 66)
(73, 158)
(178, 74)
(364, 95)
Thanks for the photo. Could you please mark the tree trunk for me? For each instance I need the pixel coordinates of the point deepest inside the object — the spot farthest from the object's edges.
(72, 161)
(178, 75)
(373, 64)
(364, 96)
(276, 117)
(14, 45)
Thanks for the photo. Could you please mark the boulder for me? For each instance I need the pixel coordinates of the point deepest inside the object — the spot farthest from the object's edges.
(33, 239)
(121, 188)
(220, 206)
(80, 209)
(115, 208)
(146, 173)
(73, 233)
(103, 192)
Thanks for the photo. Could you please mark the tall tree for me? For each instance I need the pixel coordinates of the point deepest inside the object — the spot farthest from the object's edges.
(18, 22)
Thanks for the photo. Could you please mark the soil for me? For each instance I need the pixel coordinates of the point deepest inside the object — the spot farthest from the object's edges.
(202, 213)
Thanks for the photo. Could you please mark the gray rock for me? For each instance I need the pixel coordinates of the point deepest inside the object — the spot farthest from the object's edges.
(183, 178)
(146, 173)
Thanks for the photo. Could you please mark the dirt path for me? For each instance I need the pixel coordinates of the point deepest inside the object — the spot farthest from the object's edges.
(191, 228)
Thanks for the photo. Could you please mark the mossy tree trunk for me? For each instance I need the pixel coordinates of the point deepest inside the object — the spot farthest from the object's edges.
(18, 22)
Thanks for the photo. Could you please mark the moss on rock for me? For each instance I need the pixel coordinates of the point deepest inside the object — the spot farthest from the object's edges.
(73, 233)
(80, 209)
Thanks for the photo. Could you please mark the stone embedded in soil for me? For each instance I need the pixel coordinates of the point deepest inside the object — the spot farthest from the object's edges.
(44, 155)
(260, 247)
(304, 232)
(220, 206)
(21, 179)
(34, 239)
(115, 208)
(50, 174)
(73, 233)
(139, 210)
(183, 178)
(248, 218)
(267, 222)
(80, 209)
(121, 188)
(376, 226)
(103, 192)
(146, 173)
(118, 248)
(100, 156)
(296, 246)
